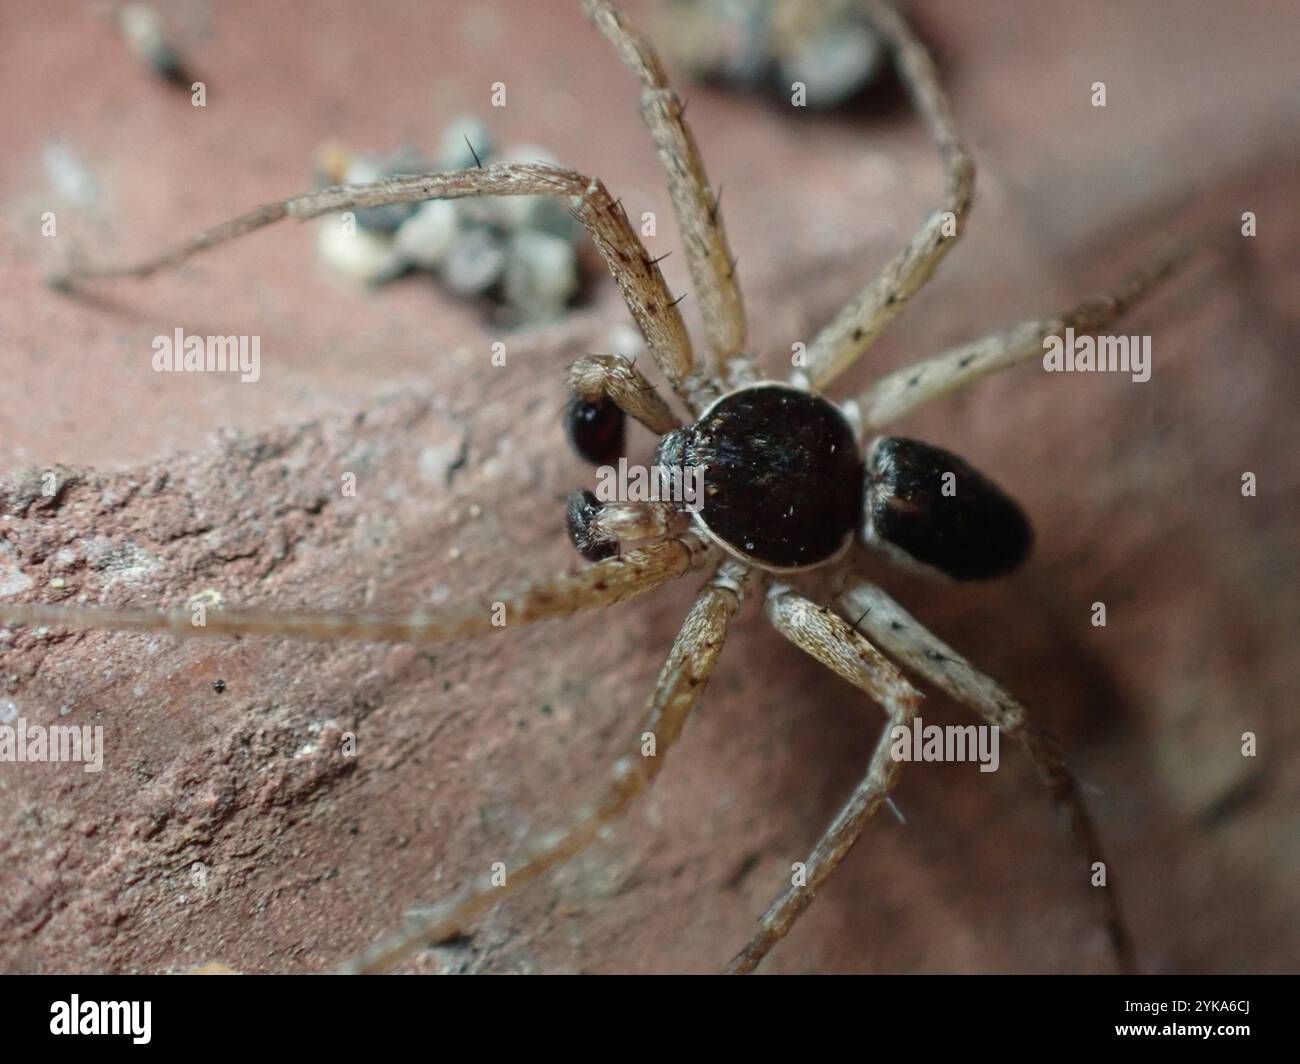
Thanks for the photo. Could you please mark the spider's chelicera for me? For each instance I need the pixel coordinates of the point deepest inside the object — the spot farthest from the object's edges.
(788, 486)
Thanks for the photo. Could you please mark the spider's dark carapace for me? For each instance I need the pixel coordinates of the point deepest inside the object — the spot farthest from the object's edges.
(783, 482)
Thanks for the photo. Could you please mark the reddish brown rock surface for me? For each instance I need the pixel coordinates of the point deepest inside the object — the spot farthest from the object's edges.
(200, 483)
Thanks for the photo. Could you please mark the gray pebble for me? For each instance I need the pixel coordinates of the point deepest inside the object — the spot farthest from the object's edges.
(425, 237)
(541, 274)
(475, 261)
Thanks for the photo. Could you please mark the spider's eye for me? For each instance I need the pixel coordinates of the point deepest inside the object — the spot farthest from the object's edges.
(933, 507)
(580, 517)
(596, 430)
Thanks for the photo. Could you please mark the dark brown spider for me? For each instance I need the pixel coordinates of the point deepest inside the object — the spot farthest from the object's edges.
(793, 486)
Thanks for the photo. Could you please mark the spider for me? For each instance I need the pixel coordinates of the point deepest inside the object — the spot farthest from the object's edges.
(797, 488)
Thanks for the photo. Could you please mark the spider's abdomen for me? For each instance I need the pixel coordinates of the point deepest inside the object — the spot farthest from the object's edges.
(939, 511)
(783, 482)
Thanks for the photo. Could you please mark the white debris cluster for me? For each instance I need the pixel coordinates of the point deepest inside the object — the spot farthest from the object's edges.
(518, 253)
(826, 46)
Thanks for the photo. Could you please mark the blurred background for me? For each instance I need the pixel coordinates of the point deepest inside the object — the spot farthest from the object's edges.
(176, 483)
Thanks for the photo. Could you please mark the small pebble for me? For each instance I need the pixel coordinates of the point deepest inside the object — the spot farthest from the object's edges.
(828, 46)
(426, 237)
(834, 65)
(541, 274)
(474, 263)
(143, 31)
(360, 256)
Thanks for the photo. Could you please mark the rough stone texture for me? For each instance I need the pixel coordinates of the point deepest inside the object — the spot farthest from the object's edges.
(462, 467)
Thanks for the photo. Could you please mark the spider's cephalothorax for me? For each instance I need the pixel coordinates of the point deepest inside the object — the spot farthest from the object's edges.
(782, 477)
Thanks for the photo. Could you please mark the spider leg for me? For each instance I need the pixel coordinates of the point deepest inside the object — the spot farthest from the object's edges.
(905, 638)
(858, 324)
(681, 682)
(834, 643)
(602, 584)
(637, 275)
(613, 378)
(900, 393)
(712, 266)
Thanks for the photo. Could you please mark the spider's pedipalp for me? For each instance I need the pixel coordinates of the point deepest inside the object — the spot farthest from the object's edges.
(889, 625)
(696, 207)
(834, 643)
(631, 522)
(857, 326)
(604, 388)
(598, 529)
(602, 584)
(580, 521)
(905, 390)
(597, 429)
(681, 682)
